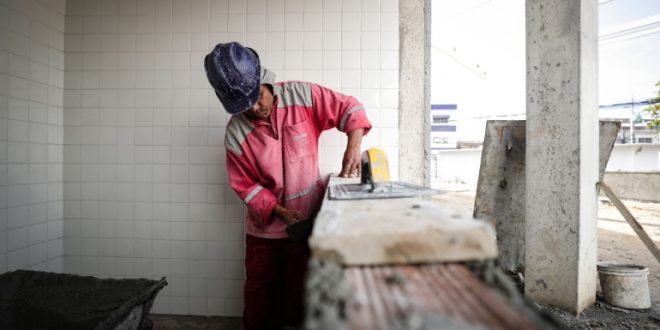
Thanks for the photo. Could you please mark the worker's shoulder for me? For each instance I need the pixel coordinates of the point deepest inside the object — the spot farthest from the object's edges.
(292, 84)
(237, 131)
(294, 92)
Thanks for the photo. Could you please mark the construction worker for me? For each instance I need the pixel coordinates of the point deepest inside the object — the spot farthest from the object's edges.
(271, 143)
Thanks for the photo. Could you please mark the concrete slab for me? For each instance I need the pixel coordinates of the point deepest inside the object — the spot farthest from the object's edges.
(396, 231)
(607, 131)
(500, 195)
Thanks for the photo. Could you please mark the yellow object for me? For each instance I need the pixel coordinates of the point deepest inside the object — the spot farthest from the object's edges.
(375, 181)
(375, 168)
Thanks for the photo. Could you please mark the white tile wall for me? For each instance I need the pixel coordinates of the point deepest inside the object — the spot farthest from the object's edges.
(31, 134)
(145, 184)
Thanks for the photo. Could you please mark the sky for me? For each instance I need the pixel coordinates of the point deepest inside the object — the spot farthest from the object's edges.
(629, 68)
(478, 58)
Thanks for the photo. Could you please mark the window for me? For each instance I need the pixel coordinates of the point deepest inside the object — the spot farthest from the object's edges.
(440, 119)
(645, 140)
(440, 140)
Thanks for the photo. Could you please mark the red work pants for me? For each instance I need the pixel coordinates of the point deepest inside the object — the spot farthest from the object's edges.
(274, 286)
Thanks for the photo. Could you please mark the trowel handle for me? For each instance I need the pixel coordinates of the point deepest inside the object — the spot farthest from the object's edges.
(375, 167)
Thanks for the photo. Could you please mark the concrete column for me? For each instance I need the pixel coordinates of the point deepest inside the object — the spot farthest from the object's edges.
(562, 152)
(414, 90)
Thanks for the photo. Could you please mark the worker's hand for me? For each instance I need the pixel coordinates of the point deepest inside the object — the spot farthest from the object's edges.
(289, 216)
(292, 216)
(351, 165)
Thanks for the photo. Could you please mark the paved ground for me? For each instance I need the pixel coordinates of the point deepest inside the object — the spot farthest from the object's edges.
(618, 242)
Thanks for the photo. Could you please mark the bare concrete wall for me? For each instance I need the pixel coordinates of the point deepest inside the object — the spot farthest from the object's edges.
(414, 90)
(462, 165)
(643, 186)
(635, 158)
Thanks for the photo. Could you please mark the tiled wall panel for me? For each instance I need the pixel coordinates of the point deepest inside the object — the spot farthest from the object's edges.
(31, 96)
(145, 183)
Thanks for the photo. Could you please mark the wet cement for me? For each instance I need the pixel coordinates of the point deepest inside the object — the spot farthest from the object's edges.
(42, 300)
(603, 316)
(326, 296)
(329, 293)
(598, 316)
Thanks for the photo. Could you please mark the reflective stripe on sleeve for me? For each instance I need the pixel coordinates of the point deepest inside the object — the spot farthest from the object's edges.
(294, 93)
(253, 193)
(344, 118)
(304, 192)
(237, 131)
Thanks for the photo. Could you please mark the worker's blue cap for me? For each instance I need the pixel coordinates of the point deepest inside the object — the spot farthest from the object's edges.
(235, 74)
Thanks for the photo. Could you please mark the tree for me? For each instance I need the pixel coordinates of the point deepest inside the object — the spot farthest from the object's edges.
(654, 109)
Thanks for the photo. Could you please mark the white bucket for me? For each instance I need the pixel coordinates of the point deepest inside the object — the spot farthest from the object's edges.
(625, 285)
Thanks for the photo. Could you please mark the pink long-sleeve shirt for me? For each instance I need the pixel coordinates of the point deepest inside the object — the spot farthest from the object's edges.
(276, 161)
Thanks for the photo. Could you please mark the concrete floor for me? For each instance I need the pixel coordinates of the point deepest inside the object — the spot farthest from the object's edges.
(184, 322)
(618, 242)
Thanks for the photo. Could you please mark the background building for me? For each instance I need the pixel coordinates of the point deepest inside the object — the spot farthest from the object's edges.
(443, 126)
(633, 112)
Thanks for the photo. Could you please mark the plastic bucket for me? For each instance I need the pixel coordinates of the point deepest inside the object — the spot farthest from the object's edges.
(625, 285)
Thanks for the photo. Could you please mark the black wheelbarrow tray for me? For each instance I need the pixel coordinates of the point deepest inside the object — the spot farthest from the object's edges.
(42, 300)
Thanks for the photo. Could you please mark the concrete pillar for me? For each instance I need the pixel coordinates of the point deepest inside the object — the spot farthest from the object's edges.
(562, 152)
(414, 90)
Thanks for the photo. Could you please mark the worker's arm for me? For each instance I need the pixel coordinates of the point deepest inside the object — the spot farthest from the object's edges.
(260, 201)
(351, 165)
(333, 109)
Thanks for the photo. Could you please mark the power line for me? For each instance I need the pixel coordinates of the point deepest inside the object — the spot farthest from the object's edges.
(481, 75)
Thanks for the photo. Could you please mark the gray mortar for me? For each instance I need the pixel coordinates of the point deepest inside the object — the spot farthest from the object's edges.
(329, 293)
(603, 316)
(491, 273)
(599, 316)
(326, 296)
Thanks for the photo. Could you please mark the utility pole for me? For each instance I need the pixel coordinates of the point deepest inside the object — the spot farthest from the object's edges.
(632, 119)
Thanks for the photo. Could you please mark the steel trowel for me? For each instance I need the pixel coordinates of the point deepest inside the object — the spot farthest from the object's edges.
(376, 183)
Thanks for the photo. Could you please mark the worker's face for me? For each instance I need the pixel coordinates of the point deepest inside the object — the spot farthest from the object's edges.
(263, 107)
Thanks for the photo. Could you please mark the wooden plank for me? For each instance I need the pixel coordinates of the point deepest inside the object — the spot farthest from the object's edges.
(402, 230)
(430, 296)
(639, 230)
